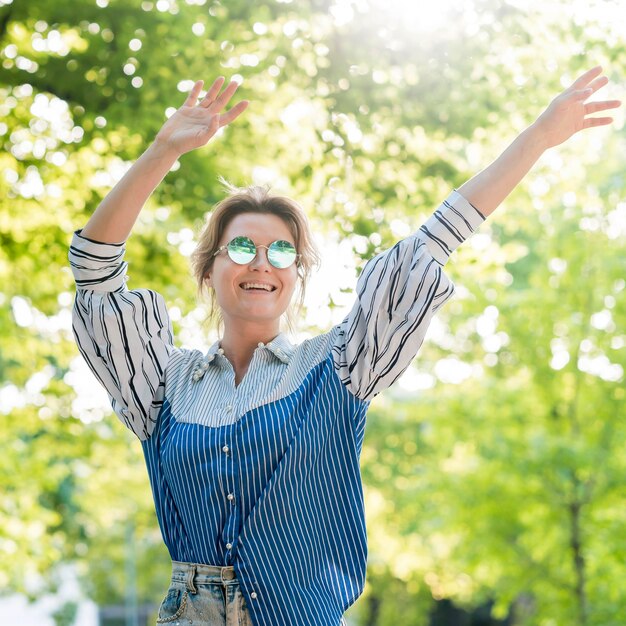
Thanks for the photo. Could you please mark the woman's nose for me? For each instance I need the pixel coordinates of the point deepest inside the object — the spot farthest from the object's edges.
(260, 259)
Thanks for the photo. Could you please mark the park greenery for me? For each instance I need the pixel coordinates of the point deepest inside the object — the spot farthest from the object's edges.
(494, 471)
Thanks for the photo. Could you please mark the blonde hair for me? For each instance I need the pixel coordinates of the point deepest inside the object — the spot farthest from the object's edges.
(254, 199)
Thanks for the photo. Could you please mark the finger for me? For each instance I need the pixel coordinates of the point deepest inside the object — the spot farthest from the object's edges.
(225, 96)
(590, 122)
(213, 91)
(193, 94)
(233, 113)
(598, 83)
(586, 78)
(594, 107)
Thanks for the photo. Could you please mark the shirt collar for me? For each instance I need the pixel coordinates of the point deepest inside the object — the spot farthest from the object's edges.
(280, 347)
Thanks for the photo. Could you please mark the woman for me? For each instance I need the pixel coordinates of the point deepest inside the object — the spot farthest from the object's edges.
(253, 448)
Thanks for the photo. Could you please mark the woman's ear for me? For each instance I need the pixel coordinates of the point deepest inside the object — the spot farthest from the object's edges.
(207, 280)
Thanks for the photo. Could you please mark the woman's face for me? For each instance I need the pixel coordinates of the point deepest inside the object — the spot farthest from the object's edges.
(228, 278)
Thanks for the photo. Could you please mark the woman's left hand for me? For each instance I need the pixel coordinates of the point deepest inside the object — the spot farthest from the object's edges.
(567, 113)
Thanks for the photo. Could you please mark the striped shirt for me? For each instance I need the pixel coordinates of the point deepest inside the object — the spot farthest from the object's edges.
(265, 475)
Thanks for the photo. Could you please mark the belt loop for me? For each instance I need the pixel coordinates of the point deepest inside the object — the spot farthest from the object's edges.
(223, 570)
(191, 573)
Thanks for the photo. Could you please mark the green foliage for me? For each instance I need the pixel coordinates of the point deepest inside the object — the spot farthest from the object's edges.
(505, 484)
(66, 615)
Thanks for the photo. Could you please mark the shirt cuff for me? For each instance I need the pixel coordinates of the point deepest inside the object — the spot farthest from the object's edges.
(449, 226)
(96, 265)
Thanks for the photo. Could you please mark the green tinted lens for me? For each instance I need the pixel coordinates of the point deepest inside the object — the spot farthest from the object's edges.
(281, 254)
(241, 250)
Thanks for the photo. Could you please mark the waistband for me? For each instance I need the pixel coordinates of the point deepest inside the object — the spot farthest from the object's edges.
(193, 574)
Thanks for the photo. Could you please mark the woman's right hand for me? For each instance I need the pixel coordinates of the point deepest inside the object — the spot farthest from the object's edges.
(192, 126)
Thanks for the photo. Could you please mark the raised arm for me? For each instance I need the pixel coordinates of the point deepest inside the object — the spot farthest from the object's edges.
(401, 289)
(188, 128)
(126, 335)
(565, 116)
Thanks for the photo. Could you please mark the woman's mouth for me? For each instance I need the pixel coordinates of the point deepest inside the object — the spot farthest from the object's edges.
(257, 288)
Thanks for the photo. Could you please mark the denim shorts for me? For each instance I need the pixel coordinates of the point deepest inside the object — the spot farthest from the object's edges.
(203, 595)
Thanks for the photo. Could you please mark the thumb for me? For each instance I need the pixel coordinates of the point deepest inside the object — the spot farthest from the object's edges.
(214, 124)
(211, 128)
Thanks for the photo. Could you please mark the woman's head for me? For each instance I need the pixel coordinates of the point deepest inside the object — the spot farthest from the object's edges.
(255, 213)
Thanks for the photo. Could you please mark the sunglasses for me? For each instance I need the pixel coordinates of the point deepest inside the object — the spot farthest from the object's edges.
(242, 250)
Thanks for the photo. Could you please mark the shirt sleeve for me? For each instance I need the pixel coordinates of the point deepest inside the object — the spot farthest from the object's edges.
(398, 292)
(125, 336)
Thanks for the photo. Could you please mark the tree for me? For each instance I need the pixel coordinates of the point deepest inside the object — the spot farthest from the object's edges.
(500, 483)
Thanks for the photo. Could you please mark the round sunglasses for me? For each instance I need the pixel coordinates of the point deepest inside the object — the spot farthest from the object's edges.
(242, 250)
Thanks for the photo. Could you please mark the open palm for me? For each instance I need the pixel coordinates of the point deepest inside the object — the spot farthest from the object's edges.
(191, 126)
(567, 113)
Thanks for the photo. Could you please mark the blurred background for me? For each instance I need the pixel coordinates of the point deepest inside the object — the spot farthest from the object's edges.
(494, 470)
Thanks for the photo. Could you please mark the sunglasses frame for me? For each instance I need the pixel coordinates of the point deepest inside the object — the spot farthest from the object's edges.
(256, 248)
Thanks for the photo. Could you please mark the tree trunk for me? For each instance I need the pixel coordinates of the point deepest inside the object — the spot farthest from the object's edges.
(579, 561)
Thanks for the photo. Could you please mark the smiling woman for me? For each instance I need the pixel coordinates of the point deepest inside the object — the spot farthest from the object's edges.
(254, 213)
(253, 448)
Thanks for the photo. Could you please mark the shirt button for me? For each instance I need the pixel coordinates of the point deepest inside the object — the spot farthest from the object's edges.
(229, 408)
(225, 449)
(261, 344)
(253, 594)
(231, 496)
(220, 351)
(229, 545)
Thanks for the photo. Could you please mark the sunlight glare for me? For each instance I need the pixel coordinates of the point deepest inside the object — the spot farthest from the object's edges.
(420, 16)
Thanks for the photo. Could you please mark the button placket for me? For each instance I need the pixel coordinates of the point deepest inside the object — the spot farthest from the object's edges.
(230, 532)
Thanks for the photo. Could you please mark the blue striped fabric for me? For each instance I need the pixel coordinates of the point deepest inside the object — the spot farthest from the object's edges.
(265, 475)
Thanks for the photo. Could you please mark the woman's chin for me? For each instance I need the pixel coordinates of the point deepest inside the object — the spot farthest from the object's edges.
(257, 313)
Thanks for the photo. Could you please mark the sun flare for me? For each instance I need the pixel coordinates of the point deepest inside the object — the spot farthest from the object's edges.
(420, 16)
